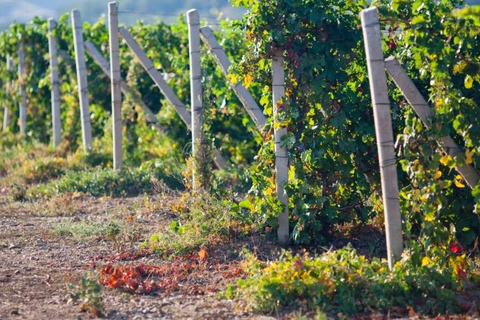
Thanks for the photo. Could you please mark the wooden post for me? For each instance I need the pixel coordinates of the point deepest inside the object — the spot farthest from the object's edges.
(82, 80)
(421, 107)
(242, 93)
(281, 157)
(56, 120)
(156, 76)
(165, 89)
(23, 90)
(116, 84)
(132, 94)
(384, 133)
(126, 90)
(196, 95)
(6, 112)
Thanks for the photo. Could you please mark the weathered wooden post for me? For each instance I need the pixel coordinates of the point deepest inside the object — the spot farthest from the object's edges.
(23, 90)
(281, 157)
(196, 94)
(126, 90)
(242, 93)
(6, 111)
(384, 133)
(116, 85)
(422, 109)
(82, 80)
(156, 76)
(56, 120)
(165, 88)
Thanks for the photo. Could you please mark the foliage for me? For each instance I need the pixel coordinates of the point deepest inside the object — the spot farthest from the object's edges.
(228, 129)
(26, 161)
(89, 292)
(202, 220)
(441, 52)
(333, 176)
(345, 283)
(109, 182)
(326, 110)
(80, 231)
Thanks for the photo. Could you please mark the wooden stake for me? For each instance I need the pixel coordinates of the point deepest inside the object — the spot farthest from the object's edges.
(116, 85)
(196, 95)
(156, 76)
(281, 157)
(384, 133)
(56, 120)
(421, 107)
(165, 89)
(6, 112)
(23, 90)
(242, 93)
(126, 90)
(82, 80)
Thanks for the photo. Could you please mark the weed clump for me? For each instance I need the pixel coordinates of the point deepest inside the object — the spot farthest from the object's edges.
(89, 293)
(109, 182)
(202, 221)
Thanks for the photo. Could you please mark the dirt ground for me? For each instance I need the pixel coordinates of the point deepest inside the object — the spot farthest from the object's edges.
(48, 247)
(38, 259)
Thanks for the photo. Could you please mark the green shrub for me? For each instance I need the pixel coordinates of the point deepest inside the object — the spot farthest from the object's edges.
(89, 292)
(109, 182)
(78, 231)
(346, 283)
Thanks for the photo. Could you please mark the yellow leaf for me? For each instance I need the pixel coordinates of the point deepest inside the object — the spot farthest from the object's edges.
(202, 254)
(468, 157)
(459, 184)
(446, 159)
(269, 191)
(437, 175)
(233, 78)
(424, 198)
(247, 81)
(429, 217)
(468, 83)
(439, 103)
(426, 261)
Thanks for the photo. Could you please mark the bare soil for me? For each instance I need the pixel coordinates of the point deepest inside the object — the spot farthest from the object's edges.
(37, 260)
